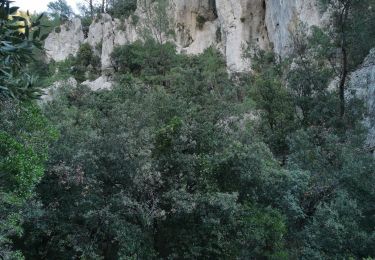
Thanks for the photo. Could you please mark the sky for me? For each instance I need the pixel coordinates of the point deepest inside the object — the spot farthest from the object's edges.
(40, 5)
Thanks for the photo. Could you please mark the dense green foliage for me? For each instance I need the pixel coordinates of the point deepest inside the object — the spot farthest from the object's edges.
(121, 8)
(169, 164)
(137, 162)
(86, 64)
(24, 132)
(181, 160)
(24, 138)
(18, 38)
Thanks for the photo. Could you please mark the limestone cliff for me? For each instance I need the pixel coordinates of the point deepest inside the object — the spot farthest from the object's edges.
(228, 25)
(362, 84)
(283, 17)
(64, 40)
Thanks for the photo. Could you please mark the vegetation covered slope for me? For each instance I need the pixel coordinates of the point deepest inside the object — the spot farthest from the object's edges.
(181, 160)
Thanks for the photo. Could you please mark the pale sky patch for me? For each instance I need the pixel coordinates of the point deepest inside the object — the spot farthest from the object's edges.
(40, 5)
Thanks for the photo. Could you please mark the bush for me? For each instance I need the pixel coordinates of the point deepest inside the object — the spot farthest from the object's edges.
(201, 20)
(86, 64)
(58, 29)
(24, 139)
(122, 8)
(18, 38)
(149, 61)
(135, 19)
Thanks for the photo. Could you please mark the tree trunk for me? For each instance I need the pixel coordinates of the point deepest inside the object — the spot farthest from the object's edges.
(91, 9)
(344, 61)
(344, 76)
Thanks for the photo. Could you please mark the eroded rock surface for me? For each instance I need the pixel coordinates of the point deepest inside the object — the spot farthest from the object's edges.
(101, 83)
(283, 18)
(51, 92)
(105, 33)
(228, 25)
(362, 83)
(242, 23)
(64, 40)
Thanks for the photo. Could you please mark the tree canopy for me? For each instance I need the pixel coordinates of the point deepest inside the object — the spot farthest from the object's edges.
(181, 159)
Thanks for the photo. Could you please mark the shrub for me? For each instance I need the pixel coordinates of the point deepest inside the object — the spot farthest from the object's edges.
(122, 8)
(135, 19)
(86, 62)
(201, 20)
(58, 29)
(85, 55)
(149, 60)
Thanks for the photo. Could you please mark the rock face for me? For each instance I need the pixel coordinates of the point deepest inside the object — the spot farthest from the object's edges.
(228, 25)
(105, 33)
(231, 25)
(195, 24)
(283, 18)
(51, 92)
(242, 22)
(65, 40)
(362, 83)
(101, 83)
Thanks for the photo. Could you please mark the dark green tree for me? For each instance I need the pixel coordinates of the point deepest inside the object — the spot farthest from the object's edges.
(121, 8)
(162, 166)
(273, 100)
(60, 8)
(25, 135)
(351, 33)
(18, 40)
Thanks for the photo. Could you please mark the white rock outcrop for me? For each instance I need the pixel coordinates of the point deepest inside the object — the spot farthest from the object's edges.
(242, 22)
(228, 25)
(195, 24)
(101, 83)
(362, 84)
(51, 92)
(105, 33)
(283, 18)
(64, 40)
